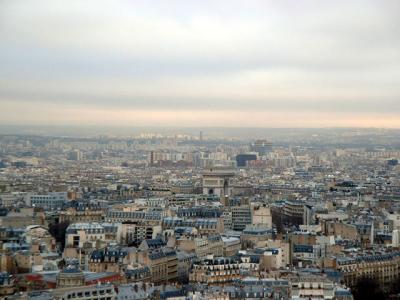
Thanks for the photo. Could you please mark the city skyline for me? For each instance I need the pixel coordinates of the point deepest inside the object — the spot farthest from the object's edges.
(187, 64)
(199, 150)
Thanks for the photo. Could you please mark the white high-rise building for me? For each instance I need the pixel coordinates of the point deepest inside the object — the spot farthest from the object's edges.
(395, 238)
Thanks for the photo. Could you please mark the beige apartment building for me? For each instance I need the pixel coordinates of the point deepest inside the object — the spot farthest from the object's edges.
(72, 215)
(202, 246)
(384, 267)
(163, 264)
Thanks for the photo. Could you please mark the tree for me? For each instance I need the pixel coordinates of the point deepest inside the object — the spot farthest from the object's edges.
(61, 264)
(58, 230)
(367, 289)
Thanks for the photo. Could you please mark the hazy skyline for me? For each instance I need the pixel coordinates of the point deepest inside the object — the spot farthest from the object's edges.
(200, 63)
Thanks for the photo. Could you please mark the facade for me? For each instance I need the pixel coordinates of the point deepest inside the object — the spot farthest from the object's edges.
(163, 264)
(232, 246)
(227, 216)
(261, 215)
(138, 274)
(216, 271)
(241, 217)
(135, 233)
(79, 233)
(25, 217)
(73, 215)
(93, 292)
(185, 261)
(384, 267)
(150, 217)
(285, 249)
(11, 199)
(293, 212)
(312, 287)
(345, 231)
(203, 226)
(51, 201)
(202, 246)
(253, 236)
(107, 260)
(106, 291)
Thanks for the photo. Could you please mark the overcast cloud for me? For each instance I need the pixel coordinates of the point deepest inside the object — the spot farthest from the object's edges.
(200, 63)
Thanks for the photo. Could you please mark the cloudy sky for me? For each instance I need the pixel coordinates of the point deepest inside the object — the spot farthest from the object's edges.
(200, 63)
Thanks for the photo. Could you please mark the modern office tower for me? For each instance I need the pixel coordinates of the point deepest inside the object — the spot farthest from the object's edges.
(242, 159)
(151, 158)
(262, 147)
(241, 216)
(75, 155)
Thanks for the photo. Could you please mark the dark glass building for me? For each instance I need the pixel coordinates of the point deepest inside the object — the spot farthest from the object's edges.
(242, 159)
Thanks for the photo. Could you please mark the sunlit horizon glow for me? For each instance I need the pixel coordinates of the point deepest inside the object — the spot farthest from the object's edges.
(200, 64)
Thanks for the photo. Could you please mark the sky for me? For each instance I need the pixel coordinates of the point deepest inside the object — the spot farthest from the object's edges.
(202, 63)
